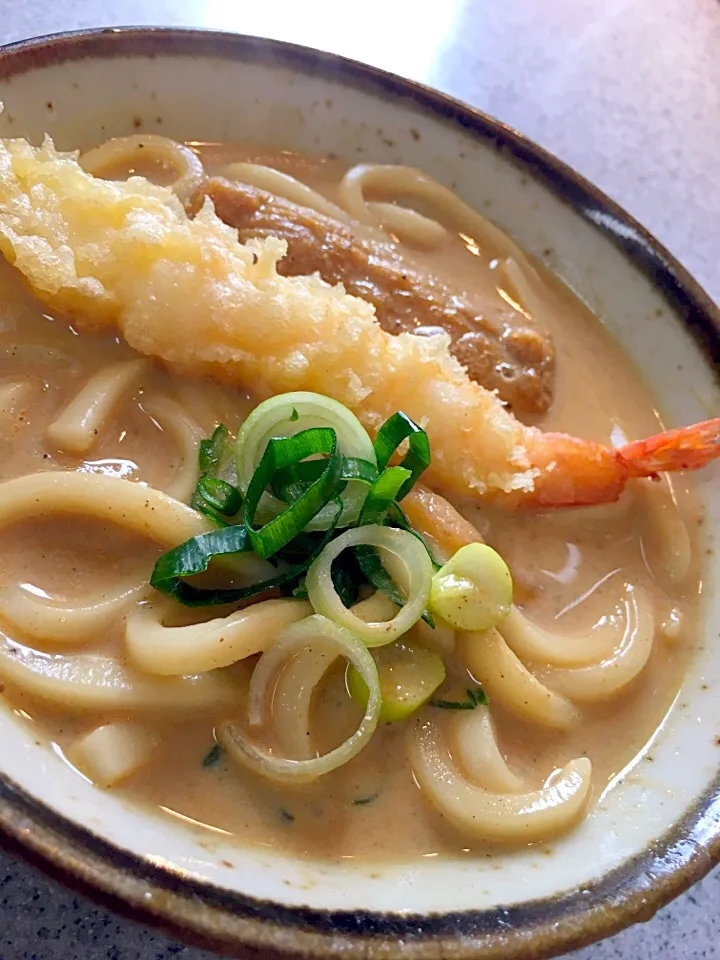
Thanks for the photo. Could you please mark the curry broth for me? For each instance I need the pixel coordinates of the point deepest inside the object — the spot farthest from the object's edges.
(569, 568)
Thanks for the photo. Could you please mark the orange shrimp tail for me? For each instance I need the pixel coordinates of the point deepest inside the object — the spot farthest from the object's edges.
(575, 473)
(687, 448)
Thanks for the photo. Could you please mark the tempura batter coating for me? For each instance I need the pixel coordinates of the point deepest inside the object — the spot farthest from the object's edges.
(126, 255)
(517, 359)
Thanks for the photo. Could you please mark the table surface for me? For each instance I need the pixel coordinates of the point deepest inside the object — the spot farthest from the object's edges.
(625, 91)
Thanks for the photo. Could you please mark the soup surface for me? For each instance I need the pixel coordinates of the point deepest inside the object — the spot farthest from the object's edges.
(571, 569)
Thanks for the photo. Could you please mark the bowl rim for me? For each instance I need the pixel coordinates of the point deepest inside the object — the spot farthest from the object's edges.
(234, 923)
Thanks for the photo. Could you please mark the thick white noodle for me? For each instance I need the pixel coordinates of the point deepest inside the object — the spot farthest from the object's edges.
(314, 632)
(114, 751)
(478, 754)
(503, 817)
(667, 547)
(42, 355)
(408, 225)
(508, 682)
(411, 554)
(377, 608)
(144, 148)
(292, 700)
(447, 207)
(206, 410)
(98, 682)
(13, 397)
(133, 506)
(525, 283)
(439, 638)
(600, 513)
(199, 647)
(62, 622)
(671, 626)
(94, 682)
(606, 679)
(80, 423)
(187, 433)
(140, 509)
(535, 644)
(283, 185)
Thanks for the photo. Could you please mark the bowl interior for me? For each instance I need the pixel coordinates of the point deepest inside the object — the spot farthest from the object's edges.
(223, 89)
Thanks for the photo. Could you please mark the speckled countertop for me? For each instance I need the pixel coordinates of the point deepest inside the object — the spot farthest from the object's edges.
(628, 93)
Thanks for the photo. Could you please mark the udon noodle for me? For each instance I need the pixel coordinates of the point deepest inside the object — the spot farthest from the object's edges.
(250, 715)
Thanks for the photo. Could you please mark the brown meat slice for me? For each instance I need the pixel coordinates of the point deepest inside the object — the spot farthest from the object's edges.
(507, 354)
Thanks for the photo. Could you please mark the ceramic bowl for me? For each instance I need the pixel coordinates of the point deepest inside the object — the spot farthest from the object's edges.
(659, 829)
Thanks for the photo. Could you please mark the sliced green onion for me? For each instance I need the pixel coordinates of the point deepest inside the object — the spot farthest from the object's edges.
(197, 502)
(408, 675)
(306, 465)
(376, 607)
(355, 468)
(315, 631)
(295, 517)
(297, 551)
(276, 418)
(347, 577)
(380, 506)
(453, 704)
(214, 450)
(195, 555)
(398, 543)
(396, 517)
(218, 495)
(214, 458)
(364, 801)
(475, 698)
(380, 497)
(290, 482)
(376, 574)
(299, 592)
(391, 434)
(381, 494)
(473, 590)
(212, 756)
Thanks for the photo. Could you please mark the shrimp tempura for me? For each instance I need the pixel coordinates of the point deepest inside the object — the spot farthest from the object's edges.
(186, 291)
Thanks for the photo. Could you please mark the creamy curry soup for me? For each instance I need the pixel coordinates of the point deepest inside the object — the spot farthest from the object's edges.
(553, 696)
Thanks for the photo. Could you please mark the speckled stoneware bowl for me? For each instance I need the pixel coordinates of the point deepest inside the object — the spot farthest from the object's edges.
(659, 830)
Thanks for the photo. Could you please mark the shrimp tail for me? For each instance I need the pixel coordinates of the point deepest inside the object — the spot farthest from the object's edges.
(575, 473)
(687, 448)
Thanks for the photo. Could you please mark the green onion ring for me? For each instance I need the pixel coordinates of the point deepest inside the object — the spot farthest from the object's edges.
(282, 453)
(291, 413)
(313, 631)
(219, 495)
(406, 548)
(391, 434)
